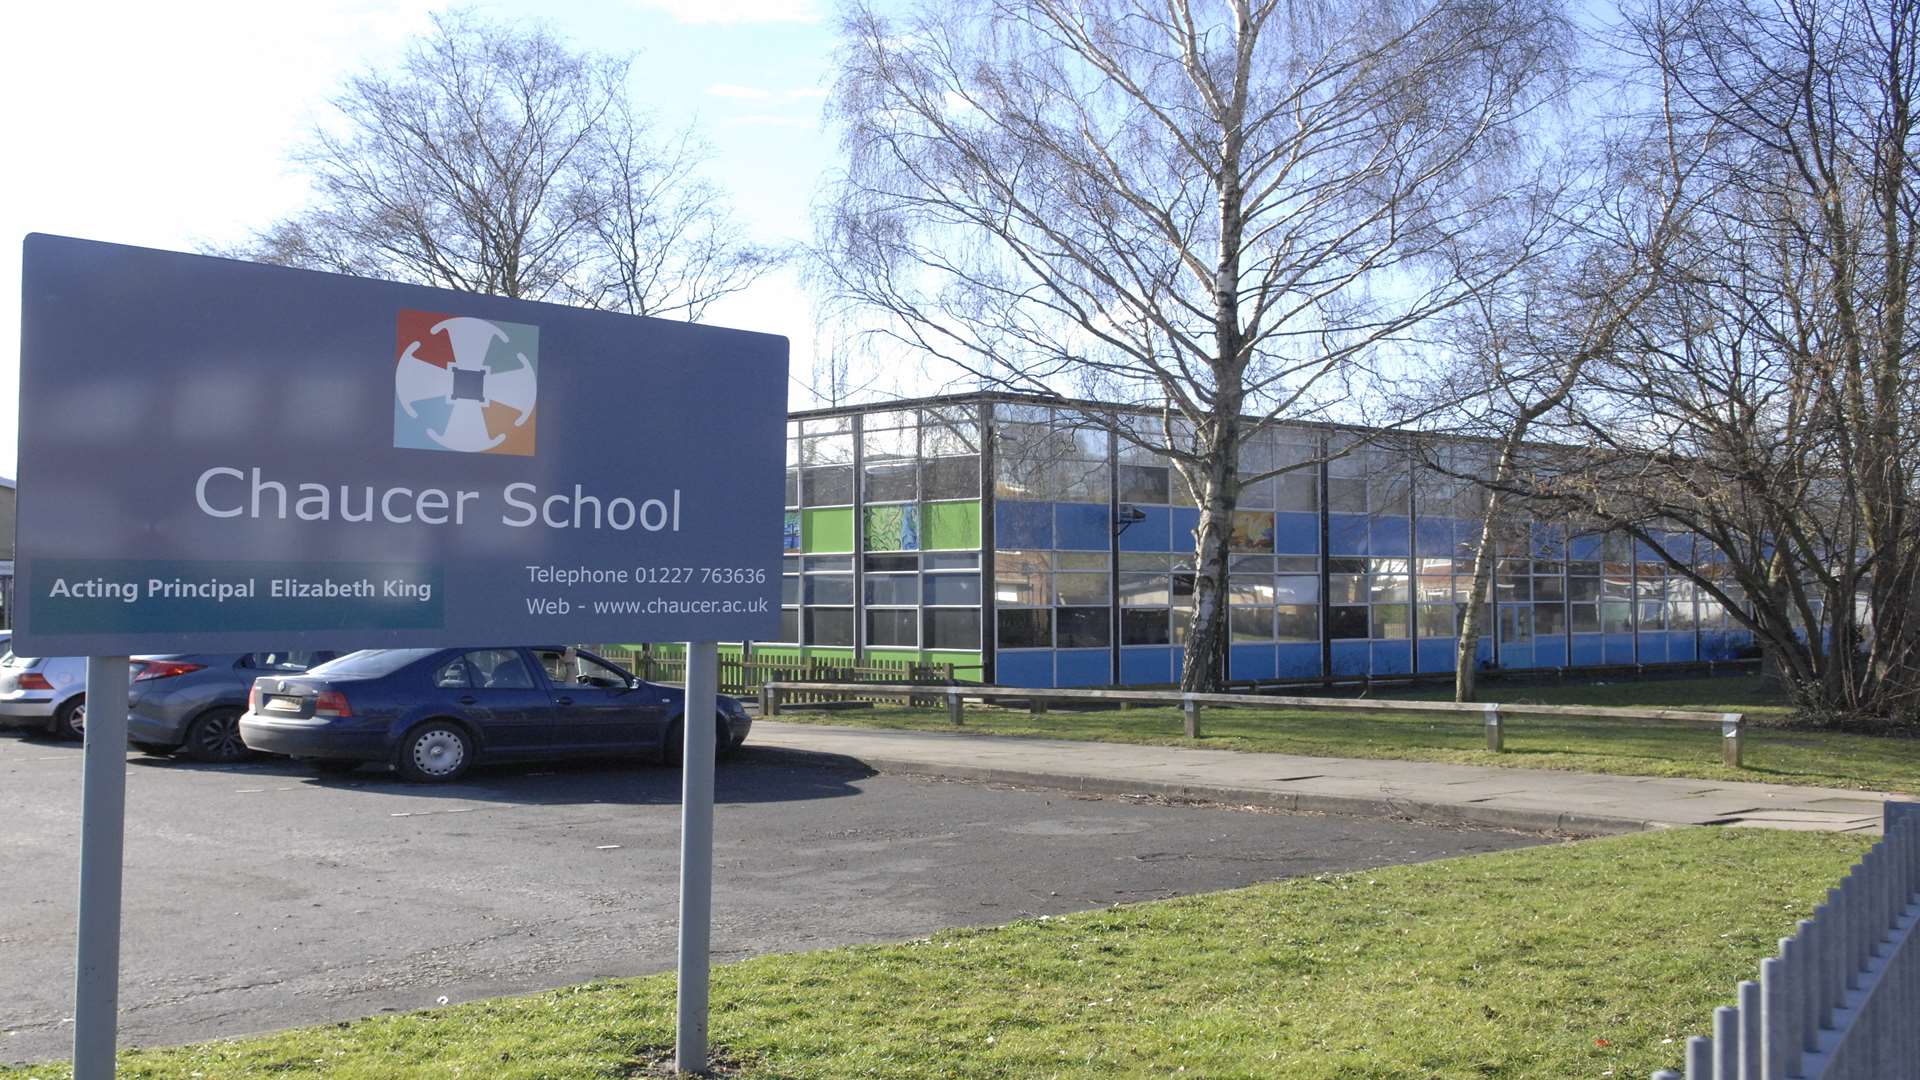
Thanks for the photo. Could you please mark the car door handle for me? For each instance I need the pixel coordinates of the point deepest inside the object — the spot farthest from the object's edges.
(469, 700)
(564, 700)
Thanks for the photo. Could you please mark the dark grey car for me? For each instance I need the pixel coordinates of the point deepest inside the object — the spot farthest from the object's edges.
(191, 703)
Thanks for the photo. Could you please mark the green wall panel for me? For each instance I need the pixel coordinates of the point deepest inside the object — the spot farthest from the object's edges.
(952, 524)
(828, 530)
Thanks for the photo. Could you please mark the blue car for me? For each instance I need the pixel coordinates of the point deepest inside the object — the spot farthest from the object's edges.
(432, 713)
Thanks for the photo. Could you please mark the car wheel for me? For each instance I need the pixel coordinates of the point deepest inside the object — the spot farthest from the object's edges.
(674, 751)
(70, 719)
(215, 736)
(436, 751)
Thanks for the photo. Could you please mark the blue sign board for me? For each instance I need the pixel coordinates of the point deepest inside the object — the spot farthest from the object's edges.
(219, 455)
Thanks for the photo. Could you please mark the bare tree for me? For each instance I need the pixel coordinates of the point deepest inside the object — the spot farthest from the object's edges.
(1765, 400)
(497, 160)
(1215, 208)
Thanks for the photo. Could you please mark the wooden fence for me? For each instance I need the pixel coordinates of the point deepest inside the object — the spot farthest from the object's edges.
(743, 677)
(1732, 725)
(1841, 999)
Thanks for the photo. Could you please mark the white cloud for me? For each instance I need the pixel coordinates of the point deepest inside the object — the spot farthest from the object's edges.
(735, 90)
(737, 12)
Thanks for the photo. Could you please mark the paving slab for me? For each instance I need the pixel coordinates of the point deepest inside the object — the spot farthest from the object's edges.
(1532, 799)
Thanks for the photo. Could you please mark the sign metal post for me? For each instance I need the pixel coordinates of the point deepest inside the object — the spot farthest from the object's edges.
(696, 855)
(103, 804)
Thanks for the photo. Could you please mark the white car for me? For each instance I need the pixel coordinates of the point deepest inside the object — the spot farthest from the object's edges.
(47, 692)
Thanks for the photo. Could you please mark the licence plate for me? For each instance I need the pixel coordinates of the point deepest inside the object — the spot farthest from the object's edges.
(284, 704)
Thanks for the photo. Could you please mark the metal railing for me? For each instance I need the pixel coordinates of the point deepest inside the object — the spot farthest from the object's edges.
(1494, 716)
(1841, 1000)
(743, 676)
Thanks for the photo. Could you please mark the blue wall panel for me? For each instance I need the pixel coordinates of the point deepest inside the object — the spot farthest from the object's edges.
(1433, 536)
(1151, 534)
(1392, 657)
(1438, 654)
(1298, 661)
(1589, 650)
(1250, 662)
(1082, 526)
(1296, 534)
(1653, 647)
(1550, 652)
(1619, 648)
(1025, 668)
(1516, 657)
(1351, 658)
(1680, 646)
(1186, 521)
(1140, 665)
(1346, 534)
(1083, 667)
(1584, 548)
(1022, 525)
(1387, 536)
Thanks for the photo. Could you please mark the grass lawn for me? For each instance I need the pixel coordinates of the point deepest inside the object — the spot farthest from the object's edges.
(1773, 753)
(1593, 959)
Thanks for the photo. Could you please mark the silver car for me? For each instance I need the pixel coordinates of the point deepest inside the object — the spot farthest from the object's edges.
(46, 692)
(191, 703)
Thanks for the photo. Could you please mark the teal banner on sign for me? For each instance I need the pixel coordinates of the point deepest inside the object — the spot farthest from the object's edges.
(102, 596)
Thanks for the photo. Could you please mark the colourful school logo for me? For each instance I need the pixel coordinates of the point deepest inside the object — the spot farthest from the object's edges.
(464, 384)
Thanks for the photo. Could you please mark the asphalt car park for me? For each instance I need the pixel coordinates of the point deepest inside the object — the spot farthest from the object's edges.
(262, 896)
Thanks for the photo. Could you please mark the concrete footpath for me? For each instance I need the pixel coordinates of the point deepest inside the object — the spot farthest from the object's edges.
(1530, 799)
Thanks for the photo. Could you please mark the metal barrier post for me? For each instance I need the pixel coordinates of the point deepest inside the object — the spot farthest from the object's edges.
(1732, 734)
(1190, 708)
(1496, 742)
(953, 705)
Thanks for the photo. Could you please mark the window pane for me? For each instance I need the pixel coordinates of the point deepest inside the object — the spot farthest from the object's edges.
(793, 487)
(1297, 622)
(1295, 491)
(1080, 560)
(1145, 626)
(825, 449)
(1347, 588)
(951, 588)
(883, 564)
(949, 431)
(1251, 624)
(1391, 621)
(951, 560)
(1074, 589)
(1585, 618)
(893, 628)
(829, 589)
(950, 478)
(1436, 620)
(830, 626)
(1347, 622)
(891, 482)
(887, 589)
(817, 563)
(1143, 590)
(1616, 617)
(1346, 495)
(1250, 590)
(1516, 624)
(831, 486)
(790, 589)
(1147, 484)
(1082, 481)
(1389, 589)
(1549, 619)
(953, 628)
(789, 625)
(1025, 629)
(453, 675)
(1084, 627)
(1549, 588)
(1583, 589)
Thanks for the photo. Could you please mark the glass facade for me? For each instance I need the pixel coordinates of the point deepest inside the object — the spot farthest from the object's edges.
(1036, 545)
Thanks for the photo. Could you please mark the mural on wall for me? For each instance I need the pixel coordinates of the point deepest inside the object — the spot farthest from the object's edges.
(893, 528)
(790, 531)
(1252, 532)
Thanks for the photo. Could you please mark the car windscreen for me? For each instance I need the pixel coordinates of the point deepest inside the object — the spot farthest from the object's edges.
(371, 663)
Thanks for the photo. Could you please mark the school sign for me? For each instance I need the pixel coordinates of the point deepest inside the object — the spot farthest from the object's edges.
(217, 455)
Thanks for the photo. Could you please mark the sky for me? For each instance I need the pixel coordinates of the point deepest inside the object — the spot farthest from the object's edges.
(171, 125)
